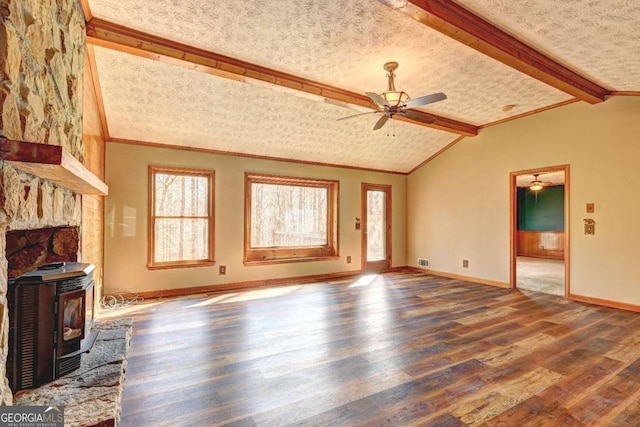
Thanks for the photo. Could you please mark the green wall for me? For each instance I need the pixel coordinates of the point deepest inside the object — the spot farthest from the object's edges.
(544, 213)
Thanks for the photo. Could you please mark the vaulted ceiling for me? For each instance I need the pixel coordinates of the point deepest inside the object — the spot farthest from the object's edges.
(271, 78)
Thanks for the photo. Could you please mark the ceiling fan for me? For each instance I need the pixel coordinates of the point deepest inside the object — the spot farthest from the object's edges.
(394, 102)
(536, 184)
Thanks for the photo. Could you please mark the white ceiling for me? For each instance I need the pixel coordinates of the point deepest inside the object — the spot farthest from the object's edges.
(345, 44)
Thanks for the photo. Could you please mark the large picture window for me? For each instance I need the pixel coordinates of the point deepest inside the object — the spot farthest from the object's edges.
(181, 217)
(290, 219)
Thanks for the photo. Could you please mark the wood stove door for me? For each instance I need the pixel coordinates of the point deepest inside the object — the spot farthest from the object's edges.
(71, 322)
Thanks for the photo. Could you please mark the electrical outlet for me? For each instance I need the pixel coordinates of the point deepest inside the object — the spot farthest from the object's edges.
(222, 270)
(349, 259)
(465, 263)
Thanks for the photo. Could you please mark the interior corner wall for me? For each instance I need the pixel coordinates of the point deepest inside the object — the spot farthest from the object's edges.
(126, 219)
(458, 204)
(94, 159)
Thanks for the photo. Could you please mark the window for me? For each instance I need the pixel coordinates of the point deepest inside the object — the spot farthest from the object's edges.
(180, 217)
(290, 219)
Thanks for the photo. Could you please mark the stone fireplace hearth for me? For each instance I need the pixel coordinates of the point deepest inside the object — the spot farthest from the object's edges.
(92, 394)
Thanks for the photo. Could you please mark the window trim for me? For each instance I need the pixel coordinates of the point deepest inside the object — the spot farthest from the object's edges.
(279, 254)
(210, 260)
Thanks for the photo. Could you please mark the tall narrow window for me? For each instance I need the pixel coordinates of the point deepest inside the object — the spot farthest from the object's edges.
(181, 217)
(290, 219)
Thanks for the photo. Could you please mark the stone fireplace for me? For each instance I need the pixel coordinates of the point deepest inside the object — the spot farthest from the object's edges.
(19, 214)
(28, 249)
(42, 56)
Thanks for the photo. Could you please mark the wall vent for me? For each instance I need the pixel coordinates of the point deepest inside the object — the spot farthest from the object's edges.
(422, 262)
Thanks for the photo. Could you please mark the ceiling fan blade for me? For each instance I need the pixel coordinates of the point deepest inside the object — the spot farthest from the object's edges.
(377, 99)
(381, 122)
(356, 115)
(418, 117)
(424, 100)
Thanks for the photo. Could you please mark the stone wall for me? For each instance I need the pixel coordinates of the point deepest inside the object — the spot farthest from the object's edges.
(27, 250)
(42, 53)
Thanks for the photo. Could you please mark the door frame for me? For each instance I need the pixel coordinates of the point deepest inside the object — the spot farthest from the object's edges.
(513, 222)
(376, 266)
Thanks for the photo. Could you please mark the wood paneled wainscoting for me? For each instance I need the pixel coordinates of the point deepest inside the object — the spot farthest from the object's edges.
(541, 244)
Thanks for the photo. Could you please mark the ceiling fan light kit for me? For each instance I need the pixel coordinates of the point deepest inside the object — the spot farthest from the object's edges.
(537, 185)
(394, 102)
(393, 97)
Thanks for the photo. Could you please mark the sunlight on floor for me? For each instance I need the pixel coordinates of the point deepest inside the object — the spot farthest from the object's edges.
(248, 295)
(204, 300)
(364, 281)
(121, 310)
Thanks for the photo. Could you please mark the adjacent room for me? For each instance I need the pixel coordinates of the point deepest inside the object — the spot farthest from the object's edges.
(540, 234)
(367, 212)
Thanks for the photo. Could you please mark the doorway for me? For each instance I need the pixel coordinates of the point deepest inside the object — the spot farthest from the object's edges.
(376, 227)
(540, 230)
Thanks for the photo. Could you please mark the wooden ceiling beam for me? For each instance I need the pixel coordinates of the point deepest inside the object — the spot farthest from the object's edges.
(117, 37)
(465, 27)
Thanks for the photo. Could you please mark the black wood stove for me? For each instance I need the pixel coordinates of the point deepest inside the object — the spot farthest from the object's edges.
(50, 317)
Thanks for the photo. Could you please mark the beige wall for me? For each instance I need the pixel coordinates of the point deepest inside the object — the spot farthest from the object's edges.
(126, 219)
(458, 204)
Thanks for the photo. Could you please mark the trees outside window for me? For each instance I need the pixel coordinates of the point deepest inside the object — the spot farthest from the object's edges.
(290, 219)
(181, 217)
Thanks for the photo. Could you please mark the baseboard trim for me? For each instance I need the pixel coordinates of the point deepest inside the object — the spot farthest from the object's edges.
(244, 286)
(461, 277)
(268, 283)
(605, 302)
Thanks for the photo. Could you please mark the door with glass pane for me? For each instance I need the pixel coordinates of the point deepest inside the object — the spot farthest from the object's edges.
(376, 227)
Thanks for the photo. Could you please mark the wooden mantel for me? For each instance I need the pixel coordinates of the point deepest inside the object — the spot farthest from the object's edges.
(53, 163)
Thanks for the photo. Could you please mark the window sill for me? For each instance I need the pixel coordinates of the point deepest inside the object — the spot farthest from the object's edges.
(289, 260)
(183, 264)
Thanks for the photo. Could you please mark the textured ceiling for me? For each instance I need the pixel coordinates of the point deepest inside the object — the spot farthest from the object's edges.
(151, 101)
(342, 44)
(599, 39)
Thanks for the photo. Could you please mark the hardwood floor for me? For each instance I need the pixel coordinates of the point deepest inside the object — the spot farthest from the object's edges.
(397, 349)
